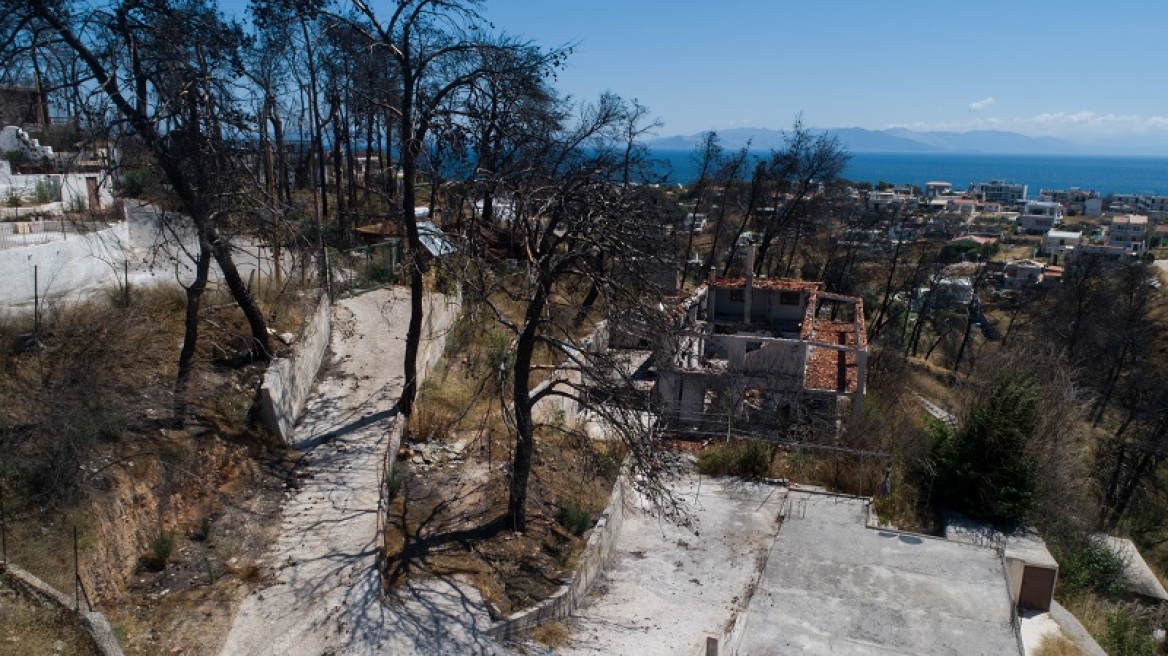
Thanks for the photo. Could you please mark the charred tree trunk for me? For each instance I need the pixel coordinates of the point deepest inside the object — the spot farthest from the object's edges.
(186, 355)
(524, 424)
(261, 344)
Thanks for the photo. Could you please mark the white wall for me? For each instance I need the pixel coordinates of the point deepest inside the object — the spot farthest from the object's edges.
(64, 267)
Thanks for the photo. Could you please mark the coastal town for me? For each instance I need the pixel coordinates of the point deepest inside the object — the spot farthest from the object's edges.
(340, 329)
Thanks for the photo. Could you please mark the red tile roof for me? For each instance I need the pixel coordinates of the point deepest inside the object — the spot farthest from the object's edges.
(786, 284)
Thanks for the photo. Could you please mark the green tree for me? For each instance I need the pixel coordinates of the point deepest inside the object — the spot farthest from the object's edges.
(986, 468)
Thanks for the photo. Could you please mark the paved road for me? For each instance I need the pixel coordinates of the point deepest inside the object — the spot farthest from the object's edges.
(325, 599)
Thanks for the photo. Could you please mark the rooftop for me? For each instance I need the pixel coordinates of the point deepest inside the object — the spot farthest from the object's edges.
(833, 586)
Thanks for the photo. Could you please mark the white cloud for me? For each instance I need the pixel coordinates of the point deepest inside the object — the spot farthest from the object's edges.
(978, 105)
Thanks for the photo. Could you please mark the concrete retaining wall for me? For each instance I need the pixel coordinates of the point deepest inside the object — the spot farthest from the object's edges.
(592, 561)
(289, 380)
(94, 623)
(439, 315)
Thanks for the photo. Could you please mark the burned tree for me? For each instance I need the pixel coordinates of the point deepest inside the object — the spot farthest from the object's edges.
(163, 70)
(571, 205)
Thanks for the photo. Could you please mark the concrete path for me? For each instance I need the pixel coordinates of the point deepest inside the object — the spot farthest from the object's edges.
(667, 588)
(326, 597)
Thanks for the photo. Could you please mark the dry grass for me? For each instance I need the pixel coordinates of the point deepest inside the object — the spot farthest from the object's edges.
(551, 634)
(1013, 252)
(29, 627)
(80, 416)
(1057, 645)
(932, 382)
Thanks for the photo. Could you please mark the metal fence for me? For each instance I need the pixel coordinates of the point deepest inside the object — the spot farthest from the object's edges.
(15, 234)
(364, 267)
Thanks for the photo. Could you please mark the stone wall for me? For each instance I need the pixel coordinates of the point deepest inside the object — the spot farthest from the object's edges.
(592, 560)
(289, 380)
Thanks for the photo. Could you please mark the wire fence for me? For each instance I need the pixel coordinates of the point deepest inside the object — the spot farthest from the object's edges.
(364, 267)
(81, 597)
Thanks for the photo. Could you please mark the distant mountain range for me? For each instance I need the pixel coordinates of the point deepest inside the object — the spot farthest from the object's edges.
(896, 140)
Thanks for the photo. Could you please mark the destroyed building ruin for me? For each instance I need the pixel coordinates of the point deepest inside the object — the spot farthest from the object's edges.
(770, 352)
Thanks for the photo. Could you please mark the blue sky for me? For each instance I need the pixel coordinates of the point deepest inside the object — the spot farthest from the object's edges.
(1089, 72)
(1086, 71)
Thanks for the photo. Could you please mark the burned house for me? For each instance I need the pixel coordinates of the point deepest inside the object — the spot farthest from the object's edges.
(766, 352)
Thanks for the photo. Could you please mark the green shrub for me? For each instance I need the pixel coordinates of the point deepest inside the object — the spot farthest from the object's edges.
(714, 462)
(574, 518)
(394, 481)
(751, 459)
(754, 460)
(137, 183)
(1091, 566)
(161, 547)
(1128, 633)
(985, 469)
(202, 531)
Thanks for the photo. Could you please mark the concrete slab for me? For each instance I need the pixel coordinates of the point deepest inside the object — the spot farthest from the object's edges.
(667, 587)
(1139, 575)
(833, 586)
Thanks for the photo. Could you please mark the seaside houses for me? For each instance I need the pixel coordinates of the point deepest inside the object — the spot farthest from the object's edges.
(937, 188)
(1075, 201)
(1149, 205)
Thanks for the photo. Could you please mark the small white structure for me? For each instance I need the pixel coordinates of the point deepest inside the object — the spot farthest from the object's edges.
(1058, 244)
(52, 193)
(16, 140)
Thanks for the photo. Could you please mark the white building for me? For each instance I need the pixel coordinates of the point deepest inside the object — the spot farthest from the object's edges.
(999, 191)
(937, 188)
(1058, 244)
(1129, 232)
(1075, 201)
(1040, 216)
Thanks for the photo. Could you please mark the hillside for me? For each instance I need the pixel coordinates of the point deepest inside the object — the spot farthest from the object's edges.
(894, 140)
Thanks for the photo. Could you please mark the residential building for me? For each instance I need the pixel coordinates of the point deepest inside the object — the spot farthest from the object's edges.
(1022, 273)
(1058, 244)
(1129, 231)
(1075, 201)
(999, 191)
(1100, 253)
(937, 188)
(1040, 216)
(888, 201)
(1149, 205)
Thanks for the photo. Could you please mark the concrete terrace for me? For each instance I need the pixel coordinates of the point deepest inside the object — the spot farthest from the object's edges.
(833, 586)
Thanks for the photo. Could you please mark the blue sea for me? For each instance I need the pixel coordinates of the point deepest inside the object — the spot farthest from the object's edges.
(1146, 175)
